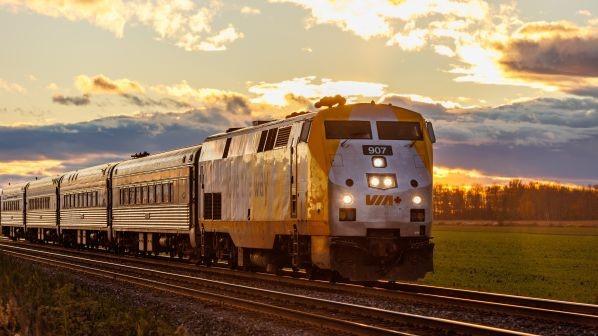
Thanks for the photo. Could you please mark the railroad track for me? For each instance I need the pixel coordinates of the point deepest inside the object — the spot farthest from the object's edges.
(542, 309)
(329, 314)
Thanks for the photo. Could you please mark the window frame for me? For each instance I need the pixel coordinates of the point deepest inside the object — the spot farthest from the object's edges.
(328, 129)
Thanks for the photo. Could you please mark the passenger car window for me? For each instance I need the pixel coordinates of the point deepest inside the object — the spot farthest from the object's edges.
(399, 130)
(347, 129)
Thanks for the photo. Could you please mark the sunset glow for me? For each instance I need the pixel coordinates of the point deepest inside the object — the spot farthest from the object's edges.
(511, 87)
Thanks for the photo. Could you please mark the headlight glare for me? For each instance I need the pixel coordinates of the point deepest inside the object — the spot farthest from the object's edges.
(388, 182)
(374, 181)
(417, 199)
(382, 181)
(379, 161)
(347, 199)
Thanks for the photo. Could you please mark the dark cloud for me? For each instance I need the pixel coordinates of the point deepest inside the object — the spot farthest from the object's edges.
(543, 137)
(590, 91)
(552, 48)
(118, 136)
(546, 137)
(103, 83)
(144, 101)
(75, 100)
(429, 110)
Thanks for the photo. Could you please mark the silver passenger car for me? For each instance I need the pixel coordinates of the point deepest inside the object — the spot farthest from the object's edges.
(42, 209)
(12, 217)
(85, 206)
(153, 197)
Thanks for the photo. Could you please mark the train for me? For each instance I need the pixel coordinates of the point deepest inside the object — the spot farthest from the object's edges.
(344, 191)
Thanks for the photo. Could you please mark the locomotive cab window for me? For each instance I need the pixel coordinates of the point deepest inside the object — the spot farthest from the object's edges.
(399, 130)
(348, 129)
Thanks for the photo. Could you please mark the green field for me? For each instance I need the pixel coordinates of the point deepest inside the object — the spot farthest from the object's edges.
(550, 262)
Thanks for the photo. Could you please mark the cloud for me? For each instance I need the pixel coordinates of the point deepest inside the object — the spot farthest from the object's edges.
(308, 87)
(52, 87)
(183, 22)
(215, 42)
(373, 18)
(540, 137)
(444, 50)
(184, 93)
(30, 167)
(542, 122)
(11, 87)
(116, 137)
(489, 43)
(144, 101)
(76, 100)
(250, 10)
(553, 48)
(101, 84)
(584, 12)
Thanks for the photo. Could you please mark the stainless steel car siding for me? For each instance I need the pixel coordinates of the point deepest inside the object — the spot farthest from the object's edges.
(90, 179)
(11, 193)
(165, 167)
(45, 187)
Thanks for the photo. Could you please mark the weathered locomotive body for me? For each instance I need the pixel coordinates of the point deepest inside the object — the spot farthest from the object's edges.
(299, 192)
(344, 191)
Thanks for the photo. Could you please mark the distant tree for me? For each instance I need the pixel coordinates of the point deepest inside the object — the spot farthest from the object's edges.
(516, 201)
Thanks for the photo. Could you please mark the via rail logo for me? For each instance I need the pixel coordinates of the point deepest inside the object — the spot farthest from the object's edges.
(388, 200)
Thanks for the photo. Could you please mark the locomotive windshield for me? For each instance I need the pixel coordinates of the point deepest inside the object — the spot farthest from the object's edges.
(348, 129)
(399, 130)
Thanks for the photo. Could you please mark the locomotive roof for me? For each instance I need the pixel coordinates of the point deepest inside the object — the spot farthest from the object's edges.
(251, 129)
(304, 116)
(171, 159)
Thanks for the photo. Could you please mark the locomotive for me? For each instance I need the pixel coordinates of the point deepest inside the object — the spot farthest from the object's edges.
(344, 191)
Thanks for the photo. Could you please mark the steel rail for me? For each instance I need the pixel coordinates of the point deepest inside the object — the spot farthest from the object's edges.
(384, 315)
(561, 311)
(312, 319)
(548, 304)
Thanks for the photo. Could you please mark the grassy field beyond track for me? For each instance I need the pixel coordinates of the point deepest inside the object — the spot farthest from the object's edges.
(549, 262)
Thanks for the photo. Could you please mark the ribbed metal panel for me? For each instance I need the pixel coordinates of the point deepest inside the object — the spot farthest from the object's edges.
(156, 217)
(12, 218)
(41, 218)
(91, 217)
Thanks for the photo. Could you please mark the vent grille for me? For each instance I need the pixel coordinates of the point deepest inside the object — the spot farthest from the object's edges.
(271, 139)
(207, 206)
(212, 208)
(283, 137)
(217, 206)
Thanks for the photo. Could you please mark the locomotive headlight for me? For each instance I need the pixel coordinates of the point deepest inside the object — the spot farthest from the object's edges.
(374, 181)
(416, 200)
(388, 182)
(382, 181)
(347, 199)
(379, 161)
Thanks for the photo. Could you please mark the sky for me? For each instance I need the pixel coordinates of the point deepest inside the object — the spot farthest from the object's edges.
(511, 87)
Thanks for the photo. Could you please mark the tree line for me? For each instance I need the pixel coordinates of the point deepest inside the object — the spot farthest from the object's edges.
(516, 201)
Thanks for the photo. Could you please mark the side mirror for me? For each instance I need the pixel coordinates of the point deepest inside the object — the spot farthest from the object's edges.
(431, 131)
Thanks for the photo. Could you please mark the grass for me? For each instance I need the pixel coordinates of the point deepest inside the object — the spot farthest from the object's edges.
(550, 262)
(35, 303)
